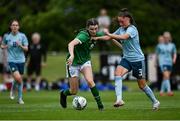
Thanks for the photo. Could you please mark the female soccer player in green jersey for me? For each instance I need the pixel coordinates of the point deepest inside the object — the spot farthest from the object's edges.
(78, 60)
(16, 43)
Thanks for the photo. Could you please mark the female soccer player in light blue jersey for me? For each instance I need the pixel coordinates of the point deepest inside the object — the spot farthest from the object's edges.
(133, 57)
(16, 43)
(166, 53)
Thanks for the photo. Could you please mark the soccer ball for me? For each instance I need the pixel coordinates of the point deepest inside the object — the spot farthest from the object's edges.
(79, 103)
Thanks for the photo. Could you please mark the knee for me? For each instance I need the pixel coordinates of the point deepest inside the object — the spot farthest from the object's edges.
(141, 87)
(165, 77)
(117, 73)
(18, 79)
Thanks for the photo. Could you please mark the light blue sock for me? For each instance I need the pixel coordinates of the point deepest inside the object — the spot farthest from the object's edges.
(163, 86)
(13, 87)
(20, 89)
(118, 87)
(168, 85)
(149, 93)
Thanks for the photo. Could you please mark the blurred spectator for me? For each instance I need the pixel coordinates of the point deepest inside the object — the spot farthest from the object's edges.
(166, 53)
(5, 76)
(36, 59)
(104, 22)
(1, 67)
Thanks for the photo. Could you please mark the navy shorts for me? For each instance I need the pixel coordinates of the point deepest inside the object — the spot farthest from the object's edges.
(138, 68)
(166, 68)
(16, 67)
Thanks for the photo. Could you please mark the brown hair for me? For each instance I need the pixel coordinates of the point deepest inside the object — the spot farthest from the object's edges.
(125, 13)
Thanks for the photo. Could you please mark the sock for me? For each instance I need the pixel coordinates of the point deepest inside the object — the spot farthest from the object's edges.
(163, 86)
(20, 90)
(168, 85)
(95, 93)
(67, 92)
(13, 87)
(118, 88)
(28, 85)
(149, 93)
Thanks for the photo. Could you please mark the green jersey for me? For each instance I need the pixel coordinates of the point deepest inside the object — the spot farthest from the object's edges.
(82, 50)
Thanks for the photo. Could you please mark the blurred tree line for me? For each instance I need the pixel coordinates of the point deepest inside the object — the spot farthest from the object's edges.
(57, 20)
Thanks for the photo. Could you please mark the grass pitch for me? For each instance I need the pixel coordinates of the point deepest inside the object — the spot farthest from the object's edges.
(44, 105)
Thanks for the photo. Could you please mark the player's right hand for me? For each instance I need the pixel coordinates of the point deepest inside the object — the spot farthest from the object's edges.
(70, 60)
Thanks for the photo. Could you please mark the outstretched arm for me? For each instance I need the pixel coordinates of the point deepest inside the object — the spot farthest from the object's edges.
(117, 37)
(101, 38)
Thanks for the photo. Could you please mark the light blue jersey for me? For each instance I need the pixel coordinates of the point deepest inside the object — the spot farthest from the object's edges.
(131, 47)
(165, 53)
(15, 53)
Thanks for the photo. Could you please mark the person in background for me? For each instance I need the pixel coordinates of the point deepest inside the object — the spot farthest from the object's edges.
(104, 22)
(1, 67)
(166, 53)
(36, 60)
(16, 44)
(5, 75)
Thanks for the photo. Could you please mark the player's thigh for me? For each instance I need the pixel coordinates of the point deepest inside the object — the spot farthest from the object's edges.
(73, 75)
(86, 70)
(18, 71)
(15, 71)
(72, 71)
(21, 68)
(123, 68)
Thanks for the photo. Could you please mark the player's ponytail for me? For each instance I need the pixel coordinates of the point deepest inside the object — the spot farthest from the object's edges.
(125, 13)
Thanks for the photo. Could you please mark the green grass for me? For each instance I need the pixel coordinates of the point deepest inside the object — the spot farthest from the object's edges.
(56, 69)
(44, 105)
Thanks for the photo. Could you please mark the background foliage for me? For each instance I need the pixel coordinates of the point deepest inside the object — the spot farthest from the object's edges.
(57, 20)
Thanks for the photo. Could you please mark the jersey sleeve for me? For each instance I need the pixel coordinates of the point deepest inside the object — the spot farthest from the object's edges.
(117, 32)
(82, 37)
(174, 49)
(24, 40)
(100, 34)
(131, 31)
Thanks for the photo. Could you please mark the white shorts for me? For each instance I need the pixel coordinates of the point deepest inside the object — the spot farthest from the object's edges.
(74, 71)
